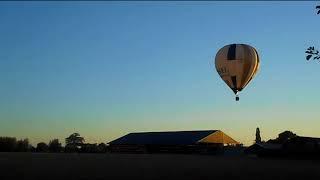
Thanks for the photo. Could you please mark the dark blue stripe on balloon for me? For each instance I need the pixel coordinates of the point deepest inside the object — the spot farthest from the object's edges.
(232, 52)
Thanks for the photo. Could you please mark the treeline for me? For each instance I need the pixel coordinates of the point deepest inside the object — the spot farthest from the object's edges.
(281, 139)
(74, 143)
(11, 144)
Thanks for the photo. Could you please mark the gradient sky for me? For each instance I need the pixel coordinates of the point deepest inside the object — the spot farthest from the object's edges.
(105, 69)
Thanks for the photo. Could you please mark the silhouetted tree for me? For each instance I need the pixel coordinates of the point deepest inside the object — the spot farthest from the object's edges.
(55, 146)
(71, 148)
(102, 148)
(75, 139)
(42, 147)
(74, 142)
(282, 137)
(8, 144)
(89, 148)
(32, 149)
(258, 137)
(23, 145)
(312, 52)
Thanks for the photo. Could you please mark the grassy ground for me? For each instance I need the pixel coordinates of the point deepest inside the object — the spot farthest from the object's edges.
(150, 166)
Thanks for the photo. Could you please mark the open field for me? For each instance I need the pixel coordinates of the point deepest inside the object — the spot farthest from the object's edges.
(150, 166)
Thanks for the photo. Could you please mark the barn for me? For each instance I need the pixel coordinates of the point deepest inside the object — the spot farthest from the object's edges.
(205, 141)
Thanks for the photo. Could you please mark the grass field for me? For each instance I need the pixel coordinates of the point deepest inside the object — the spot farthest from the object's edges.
(150, 166)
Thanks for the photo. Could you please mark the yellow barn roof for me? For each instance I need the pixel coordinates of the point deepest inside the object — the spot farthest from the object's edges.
(218, 137)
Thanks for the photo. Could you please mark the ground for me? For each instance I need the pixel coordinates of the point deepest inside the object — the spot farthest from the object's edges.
(151, 166)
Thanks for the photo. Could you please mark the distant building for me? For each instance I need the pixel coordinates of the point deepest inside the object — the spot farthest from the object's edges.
(264, 149)
(296, 146)
(302, 145)
(207, 141)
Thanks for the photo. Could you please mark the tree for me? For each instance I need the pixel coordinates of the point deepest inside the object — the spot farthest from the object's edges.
(23, 145)
(258, 137)
(71, 149)
(42, 147)
(311, 52)
(89, 148)
(55, 146)
(32, 148)
(75, 139)
(102, 148)
(8, 144)
(74, 142)
(282, 137)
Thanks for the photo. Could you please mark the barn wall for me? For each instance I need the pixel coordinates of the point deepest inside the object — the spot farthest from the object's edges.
(185, 149)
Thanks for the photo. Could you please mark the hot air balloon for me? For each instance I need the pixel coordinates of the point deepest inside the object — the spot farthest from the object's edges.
(237, 64)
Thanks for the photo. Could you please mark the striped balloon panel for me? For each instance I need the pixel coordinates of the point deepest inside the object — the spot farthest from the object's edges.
(256, 69)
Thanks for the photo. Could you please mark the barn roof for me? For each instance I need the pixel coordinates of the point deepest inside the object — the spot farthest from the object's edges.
(172, 138)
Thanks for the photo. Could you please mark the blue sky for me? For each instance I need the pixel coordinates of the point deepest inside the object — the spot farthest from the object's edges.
(105, 69)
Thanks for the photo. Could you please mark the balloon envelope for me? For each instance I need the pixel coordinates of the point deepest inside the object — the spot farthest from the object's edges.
(237, 64)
